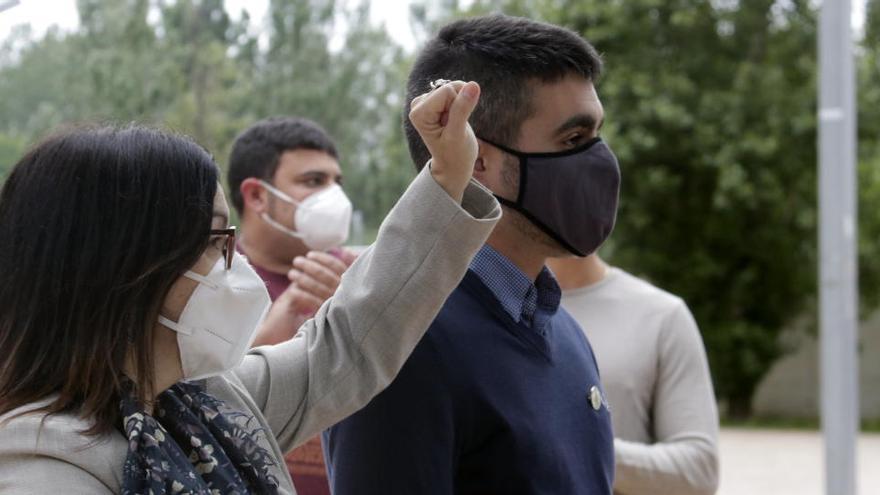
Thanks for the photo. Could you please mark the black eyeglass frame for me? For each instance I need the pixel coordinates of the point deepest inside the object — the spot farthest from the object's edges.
(229, 245)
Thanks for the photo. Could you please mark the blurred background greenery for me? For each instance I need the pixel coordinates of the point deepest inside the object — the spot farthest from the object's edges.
(710, 107)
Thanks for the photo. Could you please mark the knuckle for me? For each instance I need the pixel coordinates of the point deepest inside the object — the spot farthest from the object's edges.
(314, 285)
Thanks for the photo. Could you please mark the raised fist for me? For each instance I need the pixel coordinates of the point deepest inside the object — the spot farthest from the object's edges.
(441, 119)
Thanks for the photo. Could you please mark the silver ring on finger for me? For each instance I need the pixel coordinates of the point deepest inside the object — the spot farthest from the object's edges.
(438, 83)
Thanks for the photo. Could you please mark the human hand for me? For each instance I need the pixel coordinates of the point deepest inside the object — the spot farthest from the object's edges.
(314, 279)
(441, 119)
(316, 276)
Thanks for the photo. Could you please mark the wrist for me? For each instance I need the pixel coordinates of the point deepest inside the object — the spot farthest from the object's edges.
(454, 186)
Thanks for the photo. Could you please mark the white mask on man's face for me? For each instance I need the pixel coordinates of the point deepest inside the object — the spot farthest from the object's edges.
(322, 220)
(220, 320)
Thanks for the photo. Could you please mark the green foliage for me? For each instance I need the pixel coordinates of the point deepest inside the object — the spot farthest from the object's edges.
(869, 159)
(355, 93)
(718, 151)
(196, 70)
(710, 107)
(11, 149)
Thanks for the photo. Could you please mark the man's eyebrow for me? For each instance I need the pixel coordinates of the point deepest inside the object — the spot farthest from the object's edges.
(580, 120)
(313, 172)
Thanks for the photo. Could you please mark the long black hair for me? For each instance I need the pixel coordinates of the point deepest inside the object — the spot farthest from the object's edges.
(96, 224)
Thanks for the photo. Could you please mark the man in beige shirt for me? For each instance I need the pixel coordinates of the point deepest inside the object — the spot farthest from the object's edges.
(656, 377)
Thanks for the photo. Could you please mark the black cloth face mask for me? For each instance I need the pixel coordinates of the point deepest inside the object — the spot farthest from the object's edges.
(571, 195)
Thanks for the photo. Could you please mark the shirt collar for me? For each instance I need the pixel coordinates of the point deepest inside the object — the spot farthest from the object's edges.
(519, 296)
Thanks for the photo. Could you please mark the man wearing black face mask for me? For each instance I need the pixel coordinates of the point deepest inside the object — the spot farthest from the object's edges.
(502, 395)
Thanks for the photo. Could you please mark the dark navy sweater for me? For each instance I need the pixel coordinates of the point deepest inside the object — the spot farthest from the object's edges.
(484, 405)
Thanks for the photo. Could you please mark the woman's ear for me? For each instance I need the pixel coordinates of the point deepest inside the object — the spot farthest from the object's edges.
(254, 195)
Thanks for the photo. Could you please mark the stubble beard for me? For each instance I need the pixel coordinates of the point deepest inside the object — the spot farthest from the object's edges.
(522, 225)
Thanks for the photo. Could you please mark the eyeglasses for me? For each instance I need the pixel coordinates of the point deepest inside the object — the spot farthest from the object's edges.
(228, 245)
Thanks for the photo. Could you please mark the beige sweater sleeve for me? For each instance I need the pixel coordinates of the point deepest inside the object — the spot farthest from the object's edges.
(40, 454)
(684, 459)
(359, 339)
(41, 474)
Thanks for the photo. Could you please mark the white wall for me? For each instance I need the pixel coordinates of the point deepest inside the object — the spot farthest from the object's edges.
(791, 388)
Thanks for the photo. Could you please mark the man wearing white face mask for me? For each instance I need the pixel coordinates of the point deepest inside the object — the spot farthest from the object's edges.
(322, 219)
(284, 178)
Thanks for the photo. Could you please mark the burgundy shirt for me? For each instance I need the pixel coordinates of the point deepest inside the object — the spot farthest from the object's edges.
(277, 283)
(306, 462)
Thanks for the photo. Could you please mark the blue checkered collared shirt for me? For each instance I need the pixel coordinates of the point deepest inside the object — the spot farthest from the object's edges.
(531, 304)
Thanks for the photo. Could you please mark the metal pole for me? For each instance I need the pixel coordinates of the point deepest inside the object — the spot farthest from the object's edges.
(837, 248)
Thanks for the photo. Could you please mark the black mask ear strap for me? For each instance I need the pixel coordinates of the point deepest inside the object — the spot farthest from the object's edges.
(507, 202)
(523, 175)
(503, 148)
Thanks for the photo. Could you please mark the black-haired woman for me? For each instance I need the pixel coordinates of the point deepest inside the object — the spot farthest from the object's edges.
(125, 314)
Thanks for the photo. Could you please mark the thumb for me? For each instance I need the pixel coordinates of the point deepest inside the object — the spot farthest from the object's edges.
(463, 105)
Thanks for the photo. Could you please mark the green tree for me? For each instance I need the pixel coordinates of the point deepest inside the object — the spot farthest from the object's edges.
(121, 75)
(368, 81)
(34, 83)
(712, 113)
(198, 38)
(710, 107)
(354, 92)
(195, 69)
(869, 159)
(11, 148)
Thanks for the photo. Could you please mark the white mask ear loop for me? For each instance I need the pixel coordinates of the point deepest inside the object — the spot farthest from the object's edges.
(177, 327)
(279, 193)
(287, 230)
(201, 279)
(287, 199)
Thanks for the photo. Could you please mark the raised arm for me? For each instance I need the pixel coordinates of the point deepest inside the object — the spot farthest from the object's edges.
(359, 339)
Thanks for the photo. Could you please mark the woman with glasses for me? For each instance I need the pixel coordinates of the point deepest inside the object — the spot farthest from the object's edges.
(126, 315)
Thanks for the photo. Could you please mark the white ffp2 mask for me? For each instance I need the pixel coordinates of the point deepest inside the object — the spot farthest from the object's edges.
(220, 320)
(322, 220)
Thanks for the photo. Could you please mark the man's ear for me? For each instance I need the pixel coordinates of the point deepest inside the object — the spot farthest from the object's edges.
(488, 165)
(254, 195)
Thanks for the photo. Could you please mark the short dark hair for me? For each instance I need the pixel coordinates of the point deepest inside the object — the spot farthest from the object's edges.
(503, 54)
(257, 151)
(95, 227)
